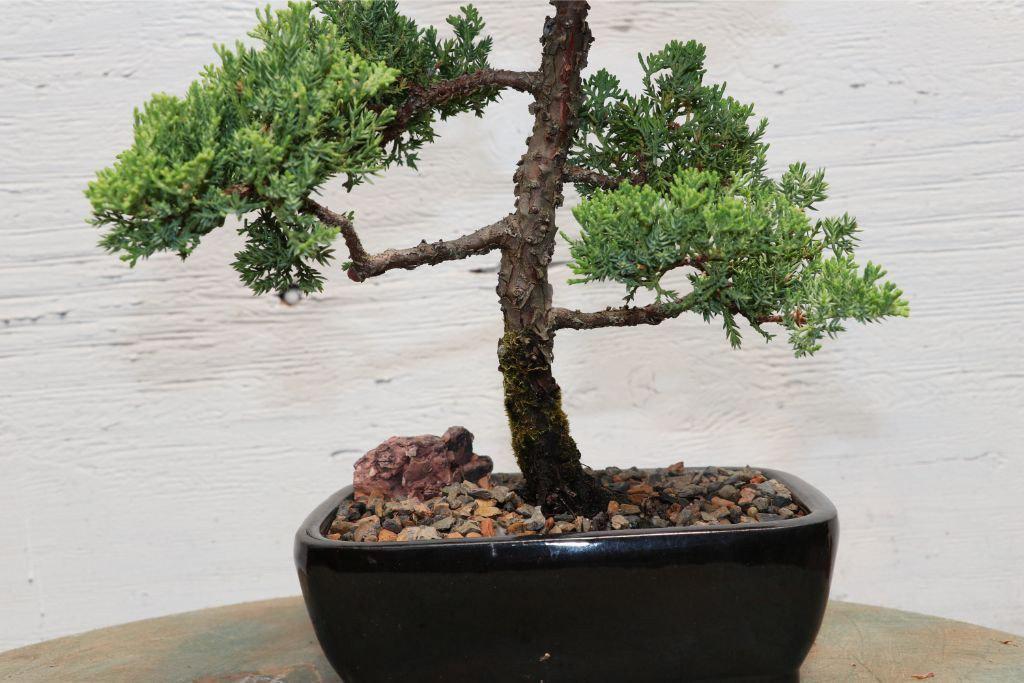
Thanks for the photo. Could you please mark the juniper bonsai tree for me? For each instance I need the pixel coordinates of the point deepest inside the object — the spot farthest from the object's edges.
(670, 177)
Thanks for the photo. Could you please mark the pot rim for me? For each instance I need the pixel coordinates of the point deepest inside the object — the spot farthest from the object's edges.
(820, 510)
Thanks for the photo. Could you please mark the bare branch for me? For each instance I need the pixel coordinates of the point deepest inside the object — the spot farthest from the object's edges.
(585, 176)
(578, 174)
(481, 241)
(421, 99)
(364, 266)
(348, 231)
(624, 316)
(631, 316)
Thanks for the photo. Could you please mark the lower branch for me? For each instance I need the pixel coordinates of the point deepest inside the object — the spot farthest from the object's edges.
(485, 239)
(364, 266)
(624, 316)
(631, 316)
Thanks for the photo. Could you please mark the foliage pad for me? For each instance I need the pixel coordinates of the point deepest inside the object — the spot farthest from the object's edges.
(261, 131)
(695, 193)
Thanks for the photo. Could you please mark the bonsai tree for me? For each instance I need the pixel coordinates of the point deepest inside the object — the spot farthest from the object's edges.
(670, 177)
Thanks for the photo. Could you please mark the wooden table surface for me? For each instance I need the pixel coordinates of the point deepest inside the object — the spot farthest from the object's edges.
(272, 642)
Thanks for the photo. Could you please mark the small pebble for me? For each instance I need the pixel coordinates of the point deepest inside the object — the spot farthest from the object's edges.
(492, 506)
(444, 524)
(486, 511)
(729, 492)
(501, 493)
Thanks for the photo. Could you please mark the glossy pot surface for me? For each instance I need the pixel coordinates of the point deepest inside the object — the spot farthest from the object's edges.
(695, 603)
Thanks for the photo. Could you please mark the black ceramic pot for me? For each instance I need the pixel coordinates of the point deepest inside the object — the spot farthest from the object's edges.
(735, 603)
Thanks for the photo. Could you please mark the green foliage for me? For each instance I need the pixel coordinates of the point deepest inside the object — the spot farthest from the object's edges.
(261, 131)
(755, 250)
(377, 31)
(694, 193)
(264, 129)
(676, 122)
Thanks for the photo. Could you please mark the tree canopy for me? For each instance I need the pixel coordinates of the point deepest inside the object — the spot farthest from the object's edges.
(672, 177)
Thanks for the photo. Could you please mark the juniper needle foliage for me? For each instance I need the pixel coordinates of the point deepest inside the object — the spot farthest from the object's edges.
(261, 131)
(698, 196)
(671, 177)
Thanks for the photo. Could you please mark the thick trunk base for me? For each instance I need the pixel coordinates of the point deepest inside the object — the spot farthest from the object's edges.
(546, 453)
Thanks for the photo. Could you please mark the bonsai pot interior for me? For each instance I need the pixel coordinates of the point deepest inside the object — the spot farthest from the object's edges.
(693, 603)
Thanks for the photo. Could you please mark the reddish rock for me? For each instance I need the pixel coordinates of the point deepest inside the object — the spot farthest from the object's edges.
(486, 510)
(419, 466)
(640, 489)
(722, 503)
(747, 496)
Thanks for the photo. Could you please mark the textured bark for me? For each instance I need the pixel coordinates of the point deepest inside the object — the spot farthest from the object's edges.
(652, 314)
(422, 99)
(364, 265)
(576, 174)
(624, 316)
(426, 253)
(544, 449)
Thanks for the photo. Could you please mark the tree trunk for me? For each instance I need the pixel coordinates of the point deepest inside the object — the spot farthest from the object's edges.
(545, 452)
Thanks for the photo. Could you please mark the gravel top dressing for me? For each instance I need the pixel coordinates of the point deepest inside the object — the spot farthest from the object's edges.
(641, 499)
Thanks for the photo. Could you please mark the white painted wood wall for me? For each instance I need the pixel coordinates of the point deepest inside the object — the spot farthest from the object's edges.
(162, 432)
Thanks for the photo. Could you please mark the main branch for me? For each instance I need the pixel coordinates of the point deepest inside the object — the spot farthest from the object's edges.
(364, 265)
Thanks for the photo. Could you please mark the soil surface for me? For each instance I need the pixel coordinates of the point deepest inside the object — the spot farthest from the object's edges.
(675, 496)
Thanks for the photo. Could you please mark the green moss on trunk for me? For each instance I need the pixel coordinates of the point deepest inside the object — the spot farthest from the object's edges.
(546, 453)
